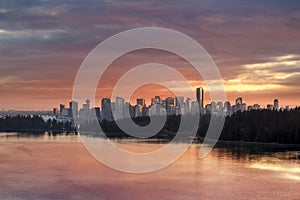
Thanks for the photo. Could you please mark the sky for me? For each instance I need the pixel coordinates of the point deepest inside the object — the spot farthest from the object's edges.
(255, 44)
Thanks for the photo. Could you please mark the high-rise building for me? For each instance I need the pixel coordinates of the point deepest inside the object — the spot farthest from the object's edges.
(119, 108)
(74, 108)
(239, 101)
(106, 109)
(220, 107)
(137, 111)
(170, 103)
(179, 99)
(276, 104)
(140, 102)
(97, 112)
(200, 97)
(227, 108)
(61, 107)
(55, 112)
(194, 107)
(188, 104)
(270, 107)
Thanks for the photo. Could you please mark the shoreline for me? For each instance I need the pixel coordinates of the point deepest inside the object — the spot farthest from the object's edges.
(166, 138)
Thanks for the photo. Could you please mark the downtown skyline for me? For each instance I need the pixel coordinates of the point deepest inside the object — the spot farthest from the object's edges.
(176, 105)
(42, 44)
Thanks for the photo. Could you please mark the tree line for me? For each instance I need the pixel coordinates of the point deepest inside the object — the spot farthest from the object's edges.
(266, 126)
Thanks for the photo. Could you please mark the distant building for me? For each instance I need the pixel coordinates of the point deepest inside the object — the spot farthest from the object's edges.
(220, 107)
(256, 107)
(140, 102)
(145, 111)
(195, 107)
(137, 111)
(119, 108)
(170, 103)
(200, 97)
(74, 108)
(188, 104)
(239, 101)
(208, 109)
(106, 109)
(96, 111)
(269, 107)
(61, 107)
(55, 112)
(227, 108)
(276, 104)
(156, 100)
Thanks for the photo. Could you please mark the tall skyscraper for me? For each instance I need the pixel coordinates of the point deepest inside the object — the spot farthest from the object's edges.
(61, 108)
(106, 109)
(74, 108)
(170, 105)
(119, 108)
(276, 104)
(200, 97)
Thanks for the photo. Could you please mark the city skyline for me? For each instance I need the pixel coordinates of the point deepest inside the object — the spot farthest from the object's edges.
(255, 46)
(177, 105)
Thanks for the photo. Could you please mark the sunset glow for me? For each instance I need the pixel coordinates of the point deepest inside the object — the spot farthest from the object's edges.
(42, 44)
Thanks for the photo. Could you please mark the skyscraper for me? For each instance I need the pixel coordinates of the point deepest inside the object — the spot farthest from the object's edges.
(119, 108)
(239, 101)
(106, 109)
(170, 105)
(200, 97)
(74, 108)
(276, 104)
(140, 102)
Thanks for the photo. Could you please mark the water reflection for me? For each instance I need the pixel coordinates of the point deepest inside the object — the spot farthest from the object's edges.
(50, 166)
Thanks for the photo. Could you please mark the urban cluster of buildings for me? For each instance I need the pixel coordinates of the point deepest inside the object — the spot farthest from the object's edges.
(120, 109)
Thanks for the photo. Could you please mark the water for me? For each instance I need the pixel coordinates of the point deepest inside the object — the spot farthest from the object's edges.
(59, 167)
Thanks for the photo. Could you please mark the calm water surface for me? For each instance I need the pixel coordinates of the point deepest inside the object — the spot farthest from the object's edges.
(59, 167)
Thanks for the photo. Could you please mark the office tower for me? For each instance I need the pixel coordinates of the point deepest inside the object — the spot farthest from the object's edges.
(188, 104)
(179, 99)
(96, 111)
(208, 109)
(239, 101)
(220, 107)
(200, 97)
(106, 109)
(170, 102)
(194, 107)
(137, 111)
(276, 104)
(227, 108)
(145, 111)
(61, 107)
(55, 112)
(74, 108)
(256, 107)
(86, 106)
(156, 100)
(213, 107)
(156, 110)
(140, 102)
(119, 108)
(269, 107)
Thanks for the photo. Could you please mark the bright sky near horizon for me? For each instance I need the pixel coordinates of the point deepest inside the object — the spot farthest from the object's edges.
(255, 44)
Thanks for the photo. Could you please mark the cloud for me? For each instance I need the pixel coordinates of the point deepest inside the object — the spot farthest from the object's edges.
(253, 43)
